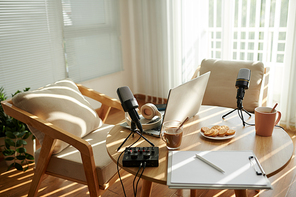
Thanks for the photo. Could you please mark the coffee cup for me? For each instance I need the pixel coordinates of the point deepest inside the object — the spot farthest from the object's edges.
(265, 120)
(172, 134)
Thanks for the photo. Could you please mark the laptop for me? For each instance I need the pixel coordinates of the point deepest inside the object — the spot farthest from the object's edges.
(183, 101)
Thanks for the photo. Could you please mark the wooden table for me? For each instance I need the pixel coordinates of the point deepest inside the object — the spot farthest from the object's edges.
(273, 152)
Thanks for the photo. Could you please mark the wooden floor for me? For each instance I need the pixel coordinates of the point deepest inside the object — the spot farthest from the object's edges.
(15, 183)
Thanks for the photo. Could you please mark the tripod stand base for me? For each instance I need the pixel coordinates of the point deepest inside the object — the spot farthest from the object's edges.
(133, 131)
(240, 114)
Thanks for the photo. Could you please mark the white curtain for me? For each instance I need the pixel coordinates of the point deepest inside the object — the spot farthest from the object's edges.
(155, 31)
(288, 79)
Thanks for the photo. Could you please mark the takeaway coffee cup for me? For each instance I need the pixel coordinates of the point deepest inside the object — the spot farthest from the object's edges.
(265, 120)
(172, 134)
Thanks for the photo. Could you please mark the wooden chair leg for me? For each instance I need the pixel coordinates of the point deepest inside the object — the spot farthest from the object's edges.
(193, 193)
(91, 174)
(45, 154)
(240, 193)
(146, 188)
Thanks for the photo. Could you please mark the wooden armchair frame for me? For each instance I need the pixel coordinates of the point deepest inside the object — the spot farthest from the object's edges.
(52, 133)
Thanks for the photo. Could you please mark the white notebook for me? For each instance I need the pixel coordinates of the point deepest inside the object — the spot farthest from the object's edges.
(185, 170)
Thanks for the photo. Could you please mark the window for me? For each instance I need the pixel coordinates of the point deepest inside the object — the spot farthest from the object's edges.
(92, 44)
(256, 31)
(45, 41)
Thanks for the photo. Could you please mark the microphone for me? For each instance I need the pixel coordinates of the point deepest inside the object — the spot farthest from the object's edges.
(242, 83)
(129, 104)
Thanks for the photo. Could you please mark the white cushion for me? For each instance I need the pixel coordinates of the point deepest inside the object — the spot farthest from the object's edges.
(68, 162)
(221, 90)
(63, 105)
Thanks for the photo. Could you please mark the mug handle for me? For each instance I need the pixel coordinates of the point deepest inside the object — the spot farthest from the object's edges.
(161, 136)
(278, 119)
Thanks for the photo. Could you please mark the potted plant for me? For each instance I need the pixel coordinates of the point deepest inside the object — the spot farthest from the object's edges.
(14, 135)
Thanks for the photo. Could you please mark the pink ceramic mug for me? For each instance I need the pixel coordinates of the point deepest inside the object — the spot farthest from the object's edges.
(265, 120)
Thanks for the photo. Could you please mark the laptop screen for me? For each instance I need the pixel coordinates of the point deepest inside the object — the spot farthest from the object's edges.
(183, 101)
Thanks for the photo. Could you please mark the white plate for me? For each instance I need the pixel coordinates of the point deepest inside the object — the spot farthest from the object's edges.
(218, 138)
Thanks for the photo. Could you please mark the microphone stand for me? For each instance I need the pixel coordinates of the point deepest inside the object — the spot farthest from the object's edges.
(240, 96)
(133, 131)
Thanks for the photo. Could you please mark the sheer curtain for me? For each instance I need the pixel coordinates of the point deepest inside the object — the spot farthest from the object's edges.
(155, 33)
(288, 79)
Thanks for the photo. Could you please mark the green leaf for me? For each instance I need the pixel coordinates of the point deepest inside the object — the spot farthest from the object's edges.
(10, 166)
(10, 135)
(9, 158)
(8, 152)
(29, 156)
(26, 168)
(18, 166)
(7, 146)
(26, 135)
(21, 157)
(22, 134)
(9, 142)
(21, 150)
(16, 133)
(20, 142)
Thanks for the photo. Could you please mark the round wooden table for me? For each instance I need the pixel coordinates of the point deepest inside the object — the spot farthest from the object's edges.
(273, 152)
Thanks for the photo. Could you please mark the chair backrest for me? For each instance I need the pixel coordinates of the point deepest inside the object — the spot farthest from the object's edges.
(221, 90)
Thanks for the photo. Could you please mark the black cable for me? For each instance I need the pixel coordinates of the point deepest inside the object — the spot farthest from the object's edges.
(119, 174)
(118, 165)
(144, 166)
(135, 192)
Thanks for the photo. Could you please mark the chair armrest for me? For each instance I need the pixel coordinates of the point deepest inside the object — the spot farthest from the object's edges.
(102, 98)
(107, 102)
(49, 129)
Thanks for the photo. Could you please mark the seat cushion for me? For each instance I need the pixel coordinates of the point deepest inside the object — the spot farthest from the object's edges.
(68, 162)
(61, 104)
(221, 90)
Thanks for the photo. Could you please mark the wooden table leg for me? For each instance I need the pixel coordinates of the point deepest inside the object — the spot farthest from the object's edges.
(241, 193)
(146, 188)
(193, 193)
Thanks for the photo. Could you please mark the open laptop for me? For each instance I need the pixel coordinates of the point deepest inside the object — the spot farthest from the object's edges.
(183, 101)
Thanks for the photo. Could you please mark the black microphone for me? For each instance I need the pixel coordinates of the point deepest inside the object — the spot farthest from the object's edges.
(242, 83)
(129, 104)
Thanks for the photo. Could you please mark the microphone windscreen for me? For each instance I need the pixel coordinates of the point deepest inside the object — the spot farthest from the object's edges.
(244, 73)
(124, 94)
(243, 78)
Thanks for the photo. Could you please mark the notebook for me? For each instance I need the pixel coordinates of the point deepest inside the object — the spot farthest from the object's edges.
(241, 171)
(183, 101)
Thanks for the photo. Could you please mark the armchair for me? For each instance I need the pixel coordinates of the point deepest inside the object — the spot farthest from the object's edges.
(221, 90)
(80, 156)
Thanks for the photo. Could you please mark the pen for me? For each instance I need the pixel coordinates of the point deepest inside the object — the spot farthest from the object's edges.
(209, 163)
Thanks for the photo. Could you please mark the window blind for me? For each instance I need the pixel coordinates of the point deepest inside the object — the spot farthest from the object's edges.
(91, 34)
(45, 41)
(31, 51)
